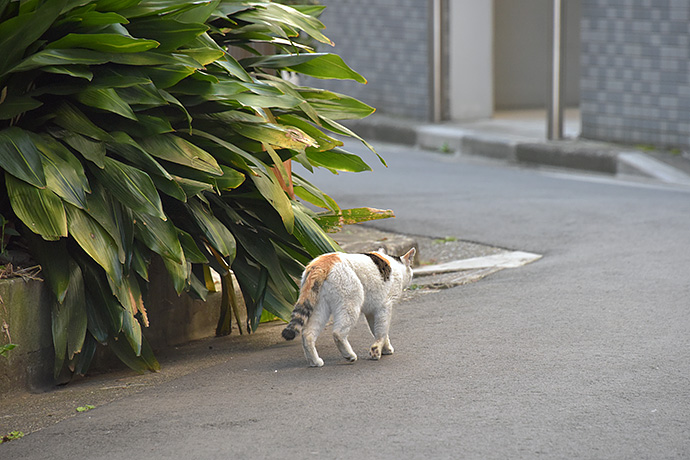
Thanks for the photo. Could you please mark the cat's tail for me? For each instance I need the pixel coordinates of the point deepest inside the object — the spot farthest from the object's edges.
(314, 276)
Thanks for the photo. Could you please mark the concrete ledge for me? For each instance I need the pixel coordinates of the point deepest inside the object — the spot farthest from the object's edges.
(511, 142)
(385, 129)
(568, 154)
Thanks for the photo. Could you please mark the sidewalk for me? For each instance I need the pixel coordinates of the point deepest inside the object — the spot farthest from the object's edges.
(520, 137)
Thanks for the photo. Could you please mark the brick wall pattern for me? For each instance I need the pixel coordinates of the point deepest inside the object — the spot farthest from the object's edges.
(387, 42)
(635, 65)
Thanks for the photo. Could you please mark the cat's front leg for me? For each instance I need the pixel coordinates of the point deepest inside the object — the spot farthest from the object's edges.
(379, 324)
(387, 347)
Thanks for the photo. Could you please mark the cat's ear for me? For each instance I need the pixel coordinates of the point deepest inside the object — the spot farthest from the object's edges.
(382, 250)
(409, 256)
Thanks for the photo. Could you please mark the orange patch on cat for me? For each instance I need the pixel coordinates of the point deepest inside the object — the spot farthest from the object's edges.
(317, 271)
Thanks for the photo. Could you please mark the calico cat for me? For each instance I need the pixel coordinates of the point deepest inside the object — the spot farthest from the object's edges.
(343, 286)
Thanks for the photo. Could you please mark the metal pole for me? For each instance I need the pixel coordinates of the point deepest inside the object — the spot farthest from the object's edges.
(437, 93)
(554, 120)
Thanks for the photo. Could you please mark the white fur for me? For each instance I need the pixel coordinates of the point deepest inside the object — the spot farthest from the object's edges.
(355, 286)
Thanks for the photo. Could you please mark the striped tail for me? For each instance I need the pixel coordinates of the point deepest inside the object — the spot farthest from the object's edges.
(314, 276)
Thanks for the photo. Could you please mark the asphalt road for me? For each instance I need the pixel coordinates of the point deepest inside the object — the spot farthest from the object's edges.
(583, 354)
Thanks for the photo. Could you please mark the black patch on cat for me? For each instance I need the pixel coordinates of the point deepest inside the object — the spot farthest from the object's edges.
(398, 258)
(316, 286)
(382, 264)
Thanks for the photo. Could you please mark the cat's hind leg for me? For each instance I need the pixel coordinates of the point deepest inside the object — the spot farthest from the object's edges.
(311, 332)
(341, 328)
(346, 316)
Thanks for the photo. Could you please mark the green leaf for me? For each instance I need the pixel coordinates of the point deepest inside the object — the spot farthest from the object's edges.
(40, 209)
(275, 13)
(64, 173)
(323, 141)
(333, 221)
(269, 187)
(214, 230)
(177, 150)
(230, 179)
(338, 159)
(53, 57)
(104, 210)
(101, 298)
(341, 108)
(167, 76)
(90, 19)
(318, 65)
(255, 100)
(131, 186)
(280, 136)
(69, 320)
(310, 193)
(106, 99)
(74, 70)
(91, 150)
(159, 236)
(311, 235)
(15, 105)
(20, 32)
(72, 119)
(51, 256)
(106, 43)
(170, 33)
(95, 241)
(20, 157)
(190, 248)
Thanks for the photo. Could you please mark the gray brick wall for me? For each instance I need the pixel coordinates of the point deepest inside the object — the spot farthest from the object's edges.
(385, 41)
(635, 64)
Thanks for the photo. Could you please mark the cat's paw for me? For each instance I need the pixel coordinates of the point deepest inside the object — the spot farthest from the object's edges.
(375, 352)
(317, 363)
(351, 359)
(387, 350)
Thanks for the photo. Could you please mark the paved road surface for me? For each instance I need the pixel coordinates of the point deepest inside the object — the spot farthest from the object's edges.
(583, 354)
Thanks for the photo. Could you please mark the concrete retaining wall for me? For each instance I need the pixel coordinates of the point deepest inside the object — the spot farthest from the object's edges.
(25, 308)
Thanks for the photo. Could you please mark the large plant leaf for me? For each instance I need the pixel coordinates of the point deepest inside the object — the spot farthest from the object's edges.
(19, 32)
(95, 241)
(215, 232)
(319, 65)
(279, 136)
(271, 190)
(278, 14)
(16, 104)
(20, 157)
(338, 159)
(333, 221)
(40, 209)
(160, 236)
(64, 173)
(131, 186)
(90, 149)
(107, 43)
(106, 99)
(104, 302)
(53, 57)
(73, 119)
(311, 235)
(177, 150)
(69, 320)
(169, 33)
